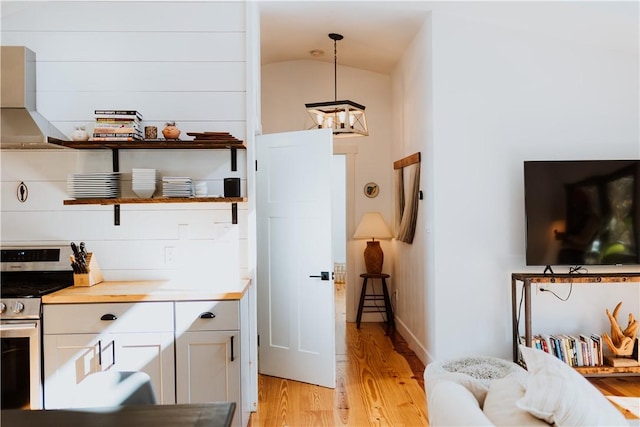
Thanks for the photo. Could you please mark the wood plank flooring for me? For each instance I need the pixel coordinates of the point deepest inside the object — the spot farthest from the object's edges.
(379, 383)
(375, 385)
(627, 387)
(374, 388)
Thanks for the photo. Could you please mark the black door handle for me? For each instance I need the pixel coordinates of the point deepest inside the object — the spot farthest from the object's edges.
(324, 275)
(207, 315)
(108, 316)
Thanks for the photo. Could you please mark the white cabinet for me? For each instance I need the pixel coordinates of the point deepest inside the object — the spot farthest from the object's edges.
(194, 351)
(208, 353)
(82, 339)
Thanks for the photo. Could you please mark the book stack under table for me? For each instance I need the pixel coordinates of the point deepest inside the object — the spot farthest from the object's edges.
(117, 125)
(580, 350)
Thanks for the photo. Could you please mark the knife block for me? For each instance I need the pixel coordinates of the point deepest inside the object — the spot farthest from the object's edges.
(93, 275)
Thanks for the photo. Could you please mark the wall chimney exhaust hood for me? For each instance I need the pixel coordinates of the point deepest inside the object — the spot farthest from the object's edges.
(21, 126)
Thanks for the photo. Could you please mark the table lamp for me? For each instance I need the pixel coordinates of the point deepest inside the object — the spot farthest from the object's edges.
(372, 226)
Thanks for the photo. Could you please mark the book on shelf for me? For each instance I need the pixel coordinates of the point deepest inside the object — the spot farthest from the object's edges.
(118, 113)
(122, 124)
(597, 348)
(585, 347)
(115, 138)
(574, 350)
(116, 130)
(103, 121)
(117, 134)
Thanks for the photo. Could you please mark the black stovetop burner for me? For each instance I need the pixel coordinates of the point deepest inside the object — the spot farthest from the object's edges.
(33, 284)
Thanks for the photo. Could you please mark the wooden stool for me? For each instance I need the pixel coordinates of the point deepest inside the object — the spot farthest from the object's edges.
(375, 297)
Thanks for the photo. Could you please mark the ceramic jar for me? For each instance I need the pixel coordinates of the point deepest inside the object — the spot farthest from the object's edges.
(79, 134)
(170, 131)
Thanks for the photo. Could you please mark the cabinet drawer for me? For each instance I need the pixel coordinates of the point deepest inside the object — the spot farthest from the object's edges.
(127, 317)
(192, 316)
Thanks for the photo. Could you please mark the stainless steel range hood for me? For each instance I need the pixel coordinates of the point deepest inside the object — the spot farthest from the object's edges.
(21, 126)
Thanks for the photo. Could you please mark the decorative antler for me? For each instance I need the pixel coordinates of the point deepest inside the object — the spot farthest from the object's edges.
(621, 342)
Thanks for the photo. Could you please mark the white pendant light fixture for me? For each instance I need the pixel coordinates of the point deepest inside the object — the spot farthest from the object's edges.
(345, 117)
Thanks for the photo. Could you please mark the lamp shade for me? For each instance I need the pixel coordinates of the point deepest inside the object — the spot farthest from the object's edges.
(372, 226)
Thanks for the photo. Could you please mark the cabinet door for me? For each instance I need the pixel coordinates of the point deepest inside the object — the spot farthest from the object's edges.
(68, 360)
(208, 368)
(152, 353)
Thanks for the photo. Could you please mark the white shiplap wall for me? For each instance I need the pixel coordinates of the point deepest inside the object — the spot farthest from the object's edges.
(182, 61)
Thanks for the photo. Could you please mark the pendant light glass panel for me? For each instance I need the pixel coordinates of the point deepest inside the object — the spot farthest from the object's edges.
(346, 118)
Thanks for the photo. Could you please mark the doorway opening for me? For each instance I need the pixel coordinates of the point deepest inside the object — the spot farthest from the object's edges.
(339, 247)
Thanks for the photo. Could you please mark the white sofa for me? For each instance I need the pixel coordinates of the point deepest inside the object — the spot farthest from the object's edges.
(549, 393)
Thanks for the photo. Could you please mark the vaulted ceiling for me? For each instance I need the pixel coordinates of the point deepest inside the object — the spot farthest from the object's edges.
(376, 33)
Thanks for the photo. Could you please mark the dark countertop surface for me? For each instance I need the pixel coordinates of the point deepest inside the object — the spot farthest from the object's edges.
(218, 414)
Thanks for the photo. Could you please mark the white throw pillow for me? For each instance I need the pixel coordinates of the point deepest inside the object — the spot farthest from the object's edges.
(500, 404)
(558, 394)
(435, 373)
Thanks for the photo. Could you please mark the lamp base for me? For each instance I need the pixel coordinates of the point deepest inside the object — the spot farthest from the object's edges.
(373, 257)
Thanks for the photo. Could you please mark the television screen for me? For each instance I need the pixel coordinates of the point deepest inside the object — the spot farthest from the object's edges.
(582, 212)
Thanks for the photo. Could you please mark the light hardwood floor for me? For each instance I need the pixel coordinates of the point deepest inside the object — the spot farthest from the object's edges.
(626, 387)
(376, 385)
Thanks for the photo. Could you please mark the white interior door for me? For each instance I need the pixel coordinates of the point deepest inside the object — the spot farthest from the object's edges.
(296, 315)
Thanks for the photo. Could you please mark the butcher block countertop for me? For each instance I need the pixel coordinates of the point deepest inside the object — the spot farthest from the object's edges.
(147, 290)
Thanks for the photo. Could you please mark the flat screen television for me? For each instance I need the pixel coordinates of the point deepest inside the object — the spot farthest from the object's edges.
(582, 212)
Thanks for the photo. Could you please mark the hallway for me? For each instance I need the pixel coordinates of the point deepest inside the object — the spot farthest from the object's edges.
(375, 385)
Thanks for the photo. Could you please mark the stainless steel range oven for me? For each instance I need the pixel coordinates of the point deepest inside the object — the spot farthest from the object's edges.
(26, 275)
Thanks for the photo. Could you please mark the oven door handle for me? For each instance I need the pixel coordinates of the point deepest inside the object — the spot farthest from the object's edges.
(17, 326)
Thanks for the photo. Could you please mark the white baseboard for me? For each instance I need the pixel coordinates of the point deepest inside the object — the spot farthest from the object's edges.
(412, 341)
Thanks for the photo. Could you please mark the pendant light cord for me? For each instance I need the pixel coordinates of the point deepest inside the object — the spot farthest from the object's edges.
(335, 70)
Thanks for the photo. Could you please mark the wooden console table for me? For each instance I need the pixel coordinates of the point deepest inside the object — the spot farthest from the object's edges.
(591, 278)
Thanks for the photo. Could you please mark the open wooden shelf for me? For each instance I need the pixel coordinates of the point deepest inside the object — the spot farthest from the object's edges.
(606, 370)
(590, 278)
(166, 144)
(139, 200)
(219, 142)
(527, 279)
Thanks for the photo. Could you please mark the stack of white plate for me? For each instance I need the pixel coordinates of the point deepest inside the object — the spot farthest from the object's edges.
(143, 182)
(102, 185)
(177, 186)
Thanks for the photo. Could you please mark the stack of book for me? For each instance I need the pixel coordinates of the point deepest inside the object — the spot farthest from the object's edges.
(580, 350)
(118, 125)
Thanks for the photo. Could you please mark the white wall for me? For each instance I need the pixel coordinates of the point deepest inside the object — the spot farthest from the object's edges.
(171, 61)
(499, 94)
(413, 132)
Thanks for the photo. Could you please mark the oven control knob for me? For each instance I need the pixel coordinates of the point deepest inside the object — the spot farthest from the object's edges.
(3, 307)
(18, 307)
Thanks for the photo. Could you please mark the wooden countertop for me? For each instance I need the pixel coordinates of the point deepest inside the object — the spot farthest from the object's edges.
(146, 290)
(184, 415)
